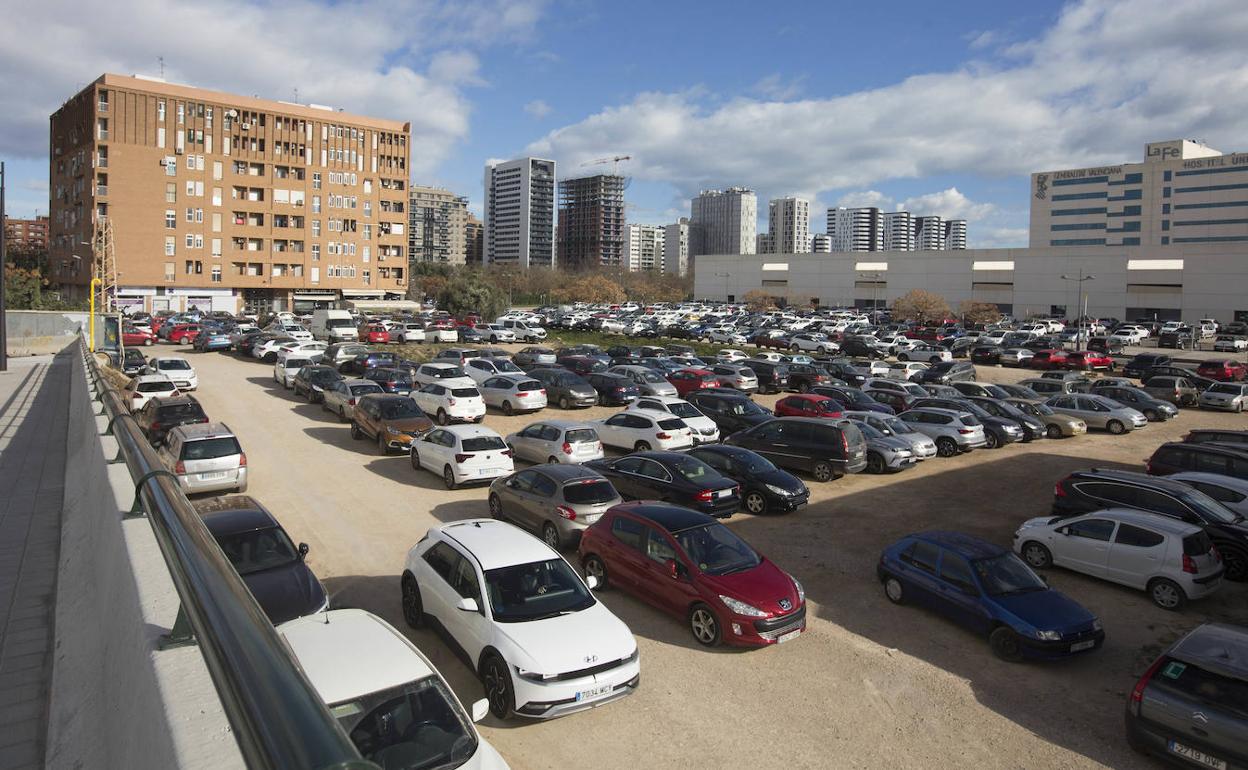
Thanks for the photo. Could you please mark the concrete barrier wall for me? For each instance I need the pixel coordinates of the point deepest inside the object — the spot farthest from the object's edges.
(117, 700)
(43, 332)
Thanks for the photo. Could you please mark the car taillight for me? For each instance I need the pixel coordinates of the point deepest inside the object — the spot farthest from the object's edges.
(705, 496)
(179, 467)
(567, 448)
(1189, 566)
(1137, 692)
(462, 458)
(565, 512)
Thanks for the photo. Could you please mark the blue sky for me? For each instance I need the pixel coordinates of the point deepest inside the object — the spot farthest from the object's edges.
(940, 109)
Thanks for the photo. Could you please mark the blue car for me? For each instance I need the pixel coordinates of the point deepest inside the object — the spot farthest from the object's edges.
(988, 589)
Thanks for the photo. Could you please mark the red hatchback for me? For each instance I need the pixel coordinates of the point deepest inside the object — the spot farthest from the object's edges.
(1224, 370)
(132, 336)
(1087, 360)
(183, 334)
(691, 566)
(809, 405)
(376, 334)
(1047, 359)
(689, 380)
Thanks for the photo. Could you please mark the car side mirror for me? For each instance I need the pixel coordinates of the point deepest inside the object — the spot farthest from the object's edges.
(480, 709)
(303, 550)
(467, 604)
(591, 581)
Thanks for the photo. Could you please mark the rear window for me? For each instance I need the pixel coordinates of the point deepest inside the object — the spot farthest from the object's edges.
(672, 424)
(465, 392)
(1195, 682)
(210, 448)
(589, 493)
(1197, 544)
(483, 444)
(579, 435)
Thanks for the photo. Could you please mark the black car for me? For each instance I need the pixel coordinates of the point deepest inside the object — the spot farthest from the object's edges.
(311, 381)
(730, 410)
(1095, 489)
(826, 449)
(764, 487)
(392, 379)
(671, 477)
(1032, 428)
(852, 399)
(613, 389)
(987, 355)
(1203, 457)
(948, 372)
(567, 389)
(1143, 363)
(266, 559)
(161, 415)
(998, 431)
(365, 361)
(773, 377)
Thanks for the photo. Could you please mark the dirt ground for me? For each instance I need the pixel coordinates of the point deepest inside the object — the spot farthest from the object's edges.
(869, 684)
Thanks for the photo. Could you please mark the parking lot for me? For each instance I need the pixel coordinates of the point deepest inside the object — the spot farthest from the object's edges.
(870, 683)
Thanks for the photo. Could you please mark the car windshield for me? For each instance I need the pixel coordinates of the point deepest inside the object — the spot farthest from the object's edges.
(1006, 575)
(258, 550)
(590, 492)
(400, 409)
(483, 444)
(415, 726)
(716, 550)
(684, 409)
(175, 364)
(211, 448)
(535, 591)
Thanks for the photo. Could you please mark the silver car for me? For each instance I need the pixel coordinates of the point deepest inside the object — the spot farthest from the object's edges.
(556, 441)
(341, 398)
(1098, 412)
(886, 453)
(558, 501)
(513, 393)
(647, 380)
(953, 431)
(1226, 396)
(735, 376)
(205, 457)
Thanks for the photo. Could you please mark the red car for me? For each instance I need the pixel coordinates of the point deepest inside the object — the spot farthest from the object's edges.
(1224, 370)
(688, 380)
(1087, 360)
(376, 334)
(690, 566)
(1047, 359)
(132, 336)
(184, 334)
(808, 405)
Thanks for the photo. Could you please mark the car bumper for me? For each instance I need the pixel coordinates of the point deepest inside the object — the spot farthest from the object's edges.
(194, 483)
(557, 699)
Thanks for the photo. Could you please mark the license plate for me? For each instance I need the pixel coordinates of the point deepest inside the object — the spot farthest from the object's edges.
(595, 692)
(212, 476)
(1077, 646)
(790, 636)
(1196, 755)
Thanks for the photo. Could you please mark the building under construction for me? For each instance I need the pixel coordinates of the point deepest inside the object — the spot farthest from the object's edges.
(591, 222)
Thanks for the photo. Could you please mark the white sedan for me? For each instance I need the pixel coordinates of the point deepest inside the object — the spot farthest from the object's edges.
(644, 429)
(450, 401)
(513, 393)
(540, 642)
(462, 454)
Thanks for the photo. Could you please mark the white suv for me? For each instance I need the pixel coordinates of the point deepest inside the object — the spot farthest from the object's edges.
(541, 643)
(386, 694)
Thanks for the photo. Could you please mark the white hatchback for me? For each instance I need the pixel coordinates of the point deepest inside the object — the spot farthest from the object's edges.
(644, 429)
(462, 454)
(704, 429)
(540, 642)
(455, 401)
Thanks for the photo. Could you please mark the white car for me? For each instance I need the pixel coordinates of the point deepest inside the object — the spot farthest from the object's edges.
(448, 374)
(1170, 559)
(295, 331)
(177, 369)
(462, 454)
(450, 401)
(285, 369)
(386, 695)
(643, 430)
(730, 355)
(540, 642)
(513, 393)
(482, 369)
(496, 333)
(145, 387)
(569, 442)
(704, 429)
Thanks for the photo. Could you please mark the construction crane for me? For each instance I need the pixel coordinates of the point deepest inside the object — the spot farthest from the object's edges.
(615, 162)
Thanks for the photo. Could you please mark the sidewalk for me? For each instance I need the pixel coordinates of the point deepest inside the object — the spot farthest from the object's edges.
(34, 409)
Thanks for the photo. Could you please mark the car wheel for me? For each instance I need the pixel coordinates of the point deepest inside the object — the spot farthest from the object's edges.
(381, 443)
(894, 591)
(1006, 645)
(823, 471)
(1115, 427)
(991, 441)
(641, 446)
(564, 403)
(1037, 555)
(1166, 594)
(1053, 431)
(413, 607)
(508, 409)
(875, 462)
(755, 503)
(496, 507)
(448, 477)
(704, 625)
(442, 418)
(1236, 562)
(356, 433)
(498, 688)
(946, 447)
(550, 535)
(594, 568)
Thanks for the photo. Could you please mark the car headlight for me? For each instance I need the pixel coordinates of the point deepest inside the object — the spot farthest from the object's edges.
(778, 490)
(533, 676)
(801, 592)
(1096, 624)
(741, 608)
(1051, 636)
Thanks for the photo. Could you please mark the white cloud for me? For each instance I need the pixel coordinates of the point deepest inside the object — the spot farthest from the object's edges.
(405, 62)
(865, 199)
(537, 108)
(950, 204)
(1106, 78)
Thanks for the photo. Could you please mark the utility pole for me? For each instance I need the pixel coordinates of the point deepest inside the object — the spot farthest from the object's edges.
(4, 260)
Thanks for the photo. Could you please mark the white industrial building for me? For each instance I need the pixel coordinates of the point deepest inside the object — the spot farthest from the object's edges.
(519, 221)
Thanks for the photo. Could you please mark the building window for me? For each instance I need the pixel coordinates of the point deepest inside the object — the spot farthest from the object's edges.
(171, 219)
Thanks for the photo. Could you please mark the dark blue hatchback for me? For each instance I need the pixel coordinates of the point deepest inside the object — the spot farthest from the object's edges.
(988, 589)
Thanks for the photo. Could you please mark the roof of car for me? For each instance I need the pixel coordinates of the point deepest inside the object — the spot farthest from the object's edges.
(233, 513)
(673, 518)
(496, 543)
(347, 654)
(964, 544)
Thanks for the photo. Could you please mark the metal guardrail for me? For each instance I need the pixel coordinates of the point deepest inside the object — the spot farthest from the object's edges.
(277, 717)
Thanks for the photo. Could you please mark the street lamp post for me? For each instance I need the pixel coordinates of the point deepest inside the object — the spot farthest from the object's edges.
(1079, 306)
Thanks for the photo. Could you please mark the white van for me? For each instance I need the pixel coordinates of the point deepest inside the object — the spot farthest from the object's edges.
(334, 326)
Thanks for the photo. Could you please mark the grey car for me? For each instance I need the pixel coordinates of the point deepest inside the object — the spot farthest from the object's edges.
(1153, 409)
(647, 380)
(1189, 705)
(556, 441)
(558, 501)
(890, 425)
(1226, 396)
(953, 431)
(341, 398)
(567, 389)
(886, 453)
(1098, 412)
